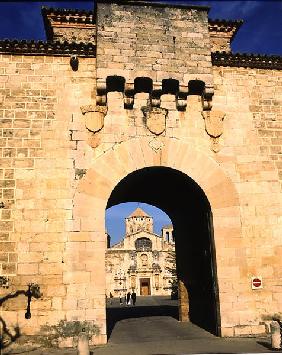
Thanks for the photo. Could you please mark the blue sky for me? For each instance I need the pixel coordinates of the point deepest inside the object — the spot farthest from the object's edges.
(260, 33)
(115, 218)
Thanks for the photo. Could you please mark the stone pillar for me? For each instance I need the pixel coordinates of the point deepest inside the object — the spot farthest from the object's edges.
(275, 335)
(183, 302)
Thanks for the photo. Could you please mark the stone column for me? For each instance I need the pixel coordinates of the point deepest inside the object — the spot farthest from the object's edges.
(183, 302)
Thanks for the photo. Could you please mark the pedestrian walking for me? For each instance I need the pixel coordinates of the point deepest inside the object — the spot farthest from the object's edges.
(133, 297)
(120, 300)
(111, 298)
(128, 298)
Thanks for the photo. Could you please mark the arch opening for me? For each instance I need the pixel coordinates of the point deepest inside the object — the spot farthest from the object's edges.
(182, 199)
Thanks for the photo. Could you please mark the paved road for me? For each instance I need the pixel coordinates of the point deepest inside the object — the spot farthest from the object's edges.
(146, 306)
(152, 328)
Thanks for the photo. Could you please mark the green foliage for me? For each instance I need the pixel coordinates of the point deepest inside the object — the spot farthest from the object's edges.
(52, 334)
(171, 268)
(171, 263)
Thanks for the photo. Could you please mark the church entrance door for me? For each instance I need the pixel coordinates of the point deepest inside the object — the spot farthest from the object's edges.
(145, 289)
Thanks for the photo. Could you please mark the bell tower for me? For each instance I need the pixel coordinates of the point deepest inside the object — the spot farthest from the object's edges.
(138, 221)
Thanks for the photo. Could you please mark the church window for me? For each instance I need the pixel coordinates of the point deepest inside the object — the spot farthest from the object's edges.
(143, 244)
(167, 236)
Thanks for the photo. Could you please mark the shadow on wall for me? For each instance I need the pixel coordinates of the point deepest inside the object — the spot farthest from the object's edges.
(8, 336)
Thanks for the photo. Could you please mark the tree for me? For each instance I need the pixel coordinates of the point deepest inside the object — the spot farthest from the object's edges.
(171, 268)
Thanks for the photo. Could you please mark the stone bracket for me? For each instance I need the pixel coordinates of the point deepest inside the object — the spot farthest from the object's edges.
(101, 96)
(181, 98)
(207, 97)
(129, 96)
(155, 93)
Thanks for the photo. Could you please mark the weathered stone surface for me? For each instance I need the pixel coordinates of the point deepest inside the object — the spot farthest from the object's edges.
(56, 177)
(155, 119)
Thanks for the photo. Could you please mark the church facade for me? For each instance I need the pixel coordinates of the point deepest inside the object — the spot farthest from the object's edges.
(139, 101)
(142, 261)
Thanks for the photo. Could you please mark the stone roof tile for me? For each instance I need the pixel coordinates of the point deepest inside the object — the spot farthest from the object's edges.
(138, 213)
(47, 48)
(225, 26)
(246, 60)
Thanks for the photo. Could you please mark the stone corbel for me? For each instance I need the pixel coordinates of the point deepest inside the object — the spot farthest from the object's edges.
(101, 97)
(214, 126)
(181, 98)
(129, 96)
(155, 119)
(207, 97)
(94, 117)
(156, 94)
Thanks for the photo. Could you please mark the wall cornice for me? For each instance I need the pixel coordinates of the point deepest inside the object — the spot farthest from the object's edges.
(47, 48)
(246, 60)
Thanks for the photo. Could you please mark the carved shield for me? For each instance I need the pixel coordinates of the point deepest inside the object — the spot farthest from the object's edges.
(94, 117)
(156, 120)
(214, 122)
(94, 121)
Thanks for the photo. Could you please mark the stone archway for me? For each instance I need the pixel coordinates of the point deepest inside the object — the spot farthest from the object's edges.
(110, 168)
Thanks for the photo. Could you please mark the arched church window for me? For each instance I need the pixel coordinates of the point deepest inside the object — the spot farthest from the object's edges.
(143, 244)
(167, 236)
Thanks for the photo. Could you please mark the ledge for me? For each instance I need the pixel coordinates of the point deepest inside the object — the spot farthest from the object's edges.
(66, 12)
(155, 3)
(225, 23)
(47, 48)
(246, 60)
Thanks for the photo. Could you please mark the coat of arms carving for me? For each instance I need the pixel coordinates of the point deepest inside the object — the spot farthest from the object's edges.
(94, 117)
(214, 126)
(155, 119)
(214, 122)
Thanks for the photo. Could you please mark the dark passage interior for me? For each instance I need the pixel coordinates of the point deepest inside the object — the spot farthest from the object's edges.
(189, 210)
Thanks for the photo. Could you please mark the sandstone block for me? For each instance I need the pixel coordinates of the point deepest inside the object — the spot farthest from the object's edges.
(28, 268)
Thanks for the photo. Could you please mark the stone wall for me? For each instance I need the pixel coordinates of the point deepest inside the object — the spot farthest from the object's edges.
(47, 234)
(42, 152)
(160, 43)
(57, 175)
(71, 33)
(251, 156)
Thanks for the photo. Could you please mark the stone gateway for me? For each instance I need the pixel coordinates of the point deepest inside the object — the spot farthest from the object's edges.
(155, 108)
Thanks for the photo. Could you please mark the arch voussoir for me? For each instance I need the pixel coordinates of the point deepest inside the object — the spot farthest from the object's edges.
(107, 171)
